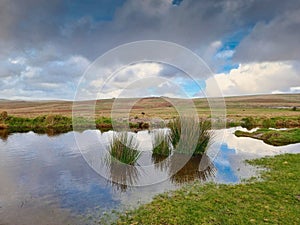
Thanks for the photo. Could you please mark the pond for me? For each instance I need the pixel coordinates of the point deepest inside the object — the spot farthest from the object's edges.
(46, 180)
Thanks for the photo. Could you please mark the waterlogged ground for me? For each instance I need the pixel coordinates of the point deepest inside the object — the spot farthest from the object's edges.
(46, 179)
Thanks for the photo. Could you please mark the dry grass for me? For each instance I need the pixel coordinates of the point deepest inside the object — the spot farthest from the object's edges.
(237, 107)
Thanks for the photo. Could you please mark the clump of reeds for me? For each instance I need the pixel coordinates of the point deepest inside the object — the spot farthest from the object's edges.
(188, 135)
(161, 143)
(204, 138)
(175, 131)
(123, 148)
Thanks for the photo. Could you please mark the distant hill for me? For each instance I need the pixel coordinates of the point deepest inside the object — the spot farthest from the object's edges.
(272, 105)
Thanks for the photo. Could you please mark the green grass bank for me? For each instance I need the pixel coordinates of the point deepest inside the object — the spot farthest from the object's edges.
(275, 199)
(273, 137)
(59, 123)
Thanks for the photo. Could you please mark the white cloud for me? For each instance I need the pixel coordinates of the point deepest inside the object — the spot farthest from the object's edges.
(225, 54)
(57, 79)
(49, 85)
(138, 71)
(31, 72)
(295, 89)
(122, 79)
(18, 60)
(136, 80)
(256, 78)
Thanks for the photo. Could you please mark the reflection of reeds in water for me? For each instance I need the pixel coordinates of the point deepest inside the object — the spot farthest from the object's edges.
(122, 176)
(197, 167)
(52, 132)
(189, 136)
(4, 134)
(160, 162)
(123, 148)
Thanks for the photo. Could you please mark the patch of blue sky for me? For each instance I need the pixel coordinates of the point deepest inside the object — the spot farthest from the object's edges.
(98, 10)
(228, 67)
(88, 199)
(193, 88)
(179, 88)
(152, 91)
(231, 41)
(176, 2)
(227, 50)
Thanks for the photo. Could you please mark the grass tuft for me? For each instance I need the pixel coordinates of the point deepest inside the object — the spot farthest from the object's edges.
(161, 143)
(123, 148)
(186, 131)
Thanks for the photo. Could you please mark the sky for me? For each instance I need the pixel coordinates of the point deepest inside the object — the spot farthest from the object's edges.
(250, 47)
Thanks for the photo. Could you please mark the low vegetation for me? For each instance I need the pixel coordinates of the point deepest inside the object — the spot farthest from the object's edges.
(124, 148)
(273, 122)
(58, 123)
(274, 200)
(273, 137)
(161, 143)
(187, 130)
(38, 124)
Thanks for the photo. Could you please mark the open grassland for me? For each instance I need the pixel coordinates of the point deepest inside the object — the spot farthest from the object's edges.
(249, 111)
(237, 107)
(274, 200)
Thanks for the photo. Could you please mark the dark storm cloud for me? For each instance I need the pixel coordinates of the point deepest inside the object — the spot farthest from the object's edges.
(33, 24)
(49, 34)
(91, 27)
(276, 40)
(29, 23)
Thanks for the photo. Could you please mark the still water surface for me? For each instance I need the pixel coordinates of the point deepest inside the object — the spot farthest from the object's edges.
(45, 179)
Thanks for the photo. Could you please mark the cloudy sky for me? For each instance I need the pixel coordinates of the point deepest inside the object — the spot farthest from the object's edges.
(251, 47)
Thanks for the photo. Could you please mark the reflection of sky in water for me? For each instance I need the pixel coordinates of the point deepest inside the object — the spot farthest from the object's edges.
(80, 197)
(225, 172)
(51, 171)
(38, 166)
(80, 201)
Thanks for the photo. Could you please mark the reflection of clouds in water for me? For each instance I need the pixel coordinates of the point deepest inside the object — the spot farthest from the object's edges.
(225, 171)
(234, 150)
(257, 147)
(52, 167)
(35, 211)
(145, 141)
(16, 195)
(35, 167)
(7, 186)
